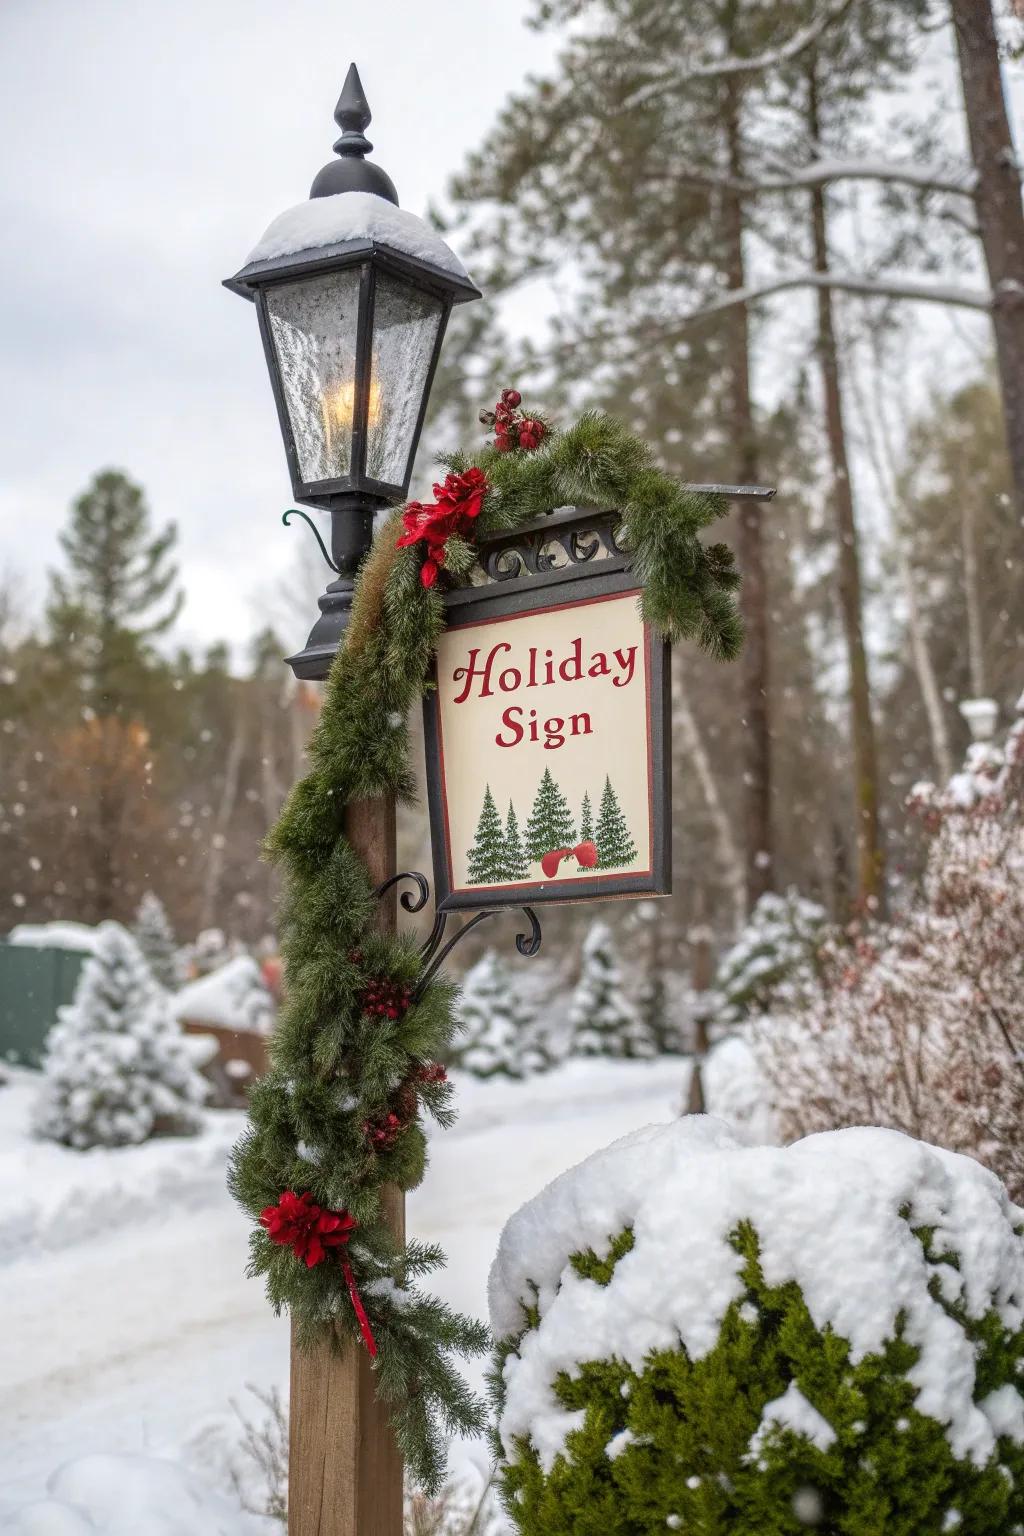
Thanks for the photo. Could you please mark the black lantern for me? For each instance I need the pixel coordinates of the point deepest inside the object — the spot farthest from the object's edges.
(353, 296)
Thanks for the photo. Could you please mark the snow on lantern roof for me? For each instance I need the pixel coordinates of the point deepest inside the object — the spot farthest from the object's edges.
(319, 227)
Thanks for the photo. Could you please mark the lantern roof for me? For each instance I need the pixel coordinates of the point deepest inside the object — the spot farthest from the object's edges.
(352, 212)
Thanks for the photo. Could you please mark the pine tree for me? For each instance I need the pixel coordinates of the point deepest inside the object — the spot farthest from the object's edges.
(586, 821)
(615, 845)
(602, 1019)
(487, 855)
(495, 1039)
(117, 1067)
(550, 825)
(155, 937)
(516, 866)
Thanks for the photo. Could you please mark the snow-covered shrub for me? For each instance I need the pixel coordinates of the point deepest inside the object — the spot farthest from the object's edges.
(496, 1025)
(234, 996)
(117, 1067)
(772, 964)
(155, 937)
(700, 1336)
(919, 1024)
(602, 1020)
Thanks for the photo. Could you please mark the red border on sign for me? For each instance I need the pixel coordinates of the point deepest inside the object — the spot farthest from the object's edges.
(535, 885)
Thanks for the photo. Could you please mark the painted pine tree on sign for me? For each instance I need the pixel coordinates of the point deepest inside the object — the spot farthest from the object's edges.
(615, 845)
(586, 820)
(550, 825)
(487, 855)
(516, 864)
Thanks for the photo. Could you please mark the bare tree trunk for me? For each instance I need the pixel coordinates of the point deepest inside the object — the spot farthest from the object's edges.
(972, 597)
(880, 451)
(1000, 212)
(222, 821)
(757, 777)
(870, 851)
(728, 853)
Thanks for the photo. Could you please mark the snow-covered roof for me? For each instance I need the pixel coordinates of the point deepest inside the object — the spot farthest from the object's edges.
(57, 935)
(329, 221)
(232, 997)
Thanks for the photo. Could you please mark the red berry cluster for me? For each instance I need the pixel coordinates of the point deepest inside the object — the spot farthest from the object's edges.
(431, 1072)
(385, 999)
(511, 428)
(384, 1131)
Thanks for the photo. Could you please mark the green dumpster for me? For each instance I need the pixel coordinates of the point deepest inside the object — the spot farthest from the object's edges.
(34, 982)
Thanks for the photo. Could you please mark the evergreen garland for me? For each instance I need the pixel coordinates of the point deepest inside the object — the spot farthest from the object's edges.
(353, 1058)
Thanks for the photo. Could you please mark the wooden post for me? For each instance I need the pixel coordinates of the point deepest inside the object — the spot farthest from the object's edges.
(344, 1470)
(702, 973)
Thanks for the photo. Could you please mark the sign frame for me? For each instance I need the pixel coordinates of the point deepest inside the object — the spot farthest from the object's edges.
(527, 576)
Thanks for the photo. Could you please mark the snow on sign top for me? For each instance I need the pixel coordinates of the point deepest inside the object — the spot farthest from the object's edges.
(326, 221)
(827, 1212)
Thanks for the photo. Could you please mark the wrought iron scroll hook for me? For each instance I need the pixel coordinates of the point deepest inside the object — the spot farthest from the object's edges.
(296, 512)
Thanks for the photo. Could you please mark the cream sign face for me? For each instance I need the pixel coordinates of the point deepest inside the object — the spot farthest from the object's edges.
(544, 778)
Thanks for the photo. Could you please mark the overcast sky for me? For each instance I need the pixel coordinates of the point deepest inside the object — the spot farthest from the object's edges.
(145, 148)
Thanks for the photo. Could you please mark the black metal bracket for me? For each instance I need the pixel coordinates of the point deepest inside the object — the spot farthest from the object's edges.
(296, 512)
(432, 953)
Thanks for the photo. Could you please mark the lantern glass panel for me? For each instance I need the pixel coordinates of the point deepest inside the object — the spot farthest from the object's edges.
(405, 326)
(313, 323)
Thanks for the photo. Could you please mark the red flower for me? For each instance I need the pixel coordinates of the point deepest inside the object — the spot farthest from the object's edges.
(298, 1222)
(531, 433)
(459, 501)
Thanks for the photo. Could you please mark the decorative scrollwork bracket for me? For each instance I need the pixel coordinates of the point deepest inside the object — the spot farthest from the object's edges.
(432, 953)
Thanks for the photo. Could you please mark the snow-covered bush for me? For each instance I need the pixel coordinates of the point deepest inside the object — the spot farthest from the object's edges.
(117, 1067)
(919, 1024)
(155, 937)
(602, 1020)
(699, 1336)
(772, 964)
(496, 1025)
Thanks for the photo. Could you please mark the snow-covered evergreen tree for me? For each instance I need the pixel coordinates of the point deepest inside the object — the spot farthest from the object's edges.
(772, 967)
(155, 937)
(602, 1019)
(117, 1067)
(487, 855)
(496, 1037)
(615, 845)
(516, 865)
(550, 825)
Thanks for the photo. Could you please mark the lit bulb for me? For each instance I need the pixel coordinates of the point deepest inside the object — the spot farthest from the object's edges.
(338, 405)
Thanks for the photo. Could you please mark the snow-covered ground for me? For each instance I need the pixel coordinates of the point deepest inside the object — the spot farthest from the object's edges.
(127, 1320)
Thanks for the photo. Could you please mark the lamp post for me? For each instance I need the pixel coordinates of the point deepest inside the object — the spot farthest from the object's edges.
(353, 296)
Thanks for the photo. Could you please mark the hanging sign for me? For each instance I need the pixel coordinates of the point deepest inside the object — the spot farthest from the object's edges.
(546, 761)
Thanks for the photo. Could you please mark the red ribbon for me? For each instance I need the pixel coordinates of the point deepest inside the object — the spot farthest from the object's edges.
(310, 1232)
(359, 1309)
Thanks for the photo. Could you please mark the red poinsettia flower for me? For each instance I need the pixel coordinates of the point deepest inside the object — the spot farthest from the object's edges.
(459, 500)
(305, 1227)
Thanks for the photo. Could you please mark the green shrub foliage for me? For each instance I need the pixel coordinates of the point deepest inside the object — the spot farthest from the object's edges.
(777, 1428)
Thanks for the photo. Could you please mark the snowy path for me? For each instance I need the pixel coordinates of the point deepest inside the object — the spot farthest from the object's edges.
(125, 1339)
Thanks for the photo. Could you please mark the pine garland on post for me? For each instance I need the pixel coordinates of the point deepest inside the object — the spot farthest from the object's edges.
(550, 825)
(487, 855)
(615, 845)
(516, 865)
(356, 1050)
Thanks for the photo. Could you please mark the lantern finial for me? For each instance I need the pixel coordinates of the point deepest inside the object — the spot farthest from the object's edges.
(352, 172)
